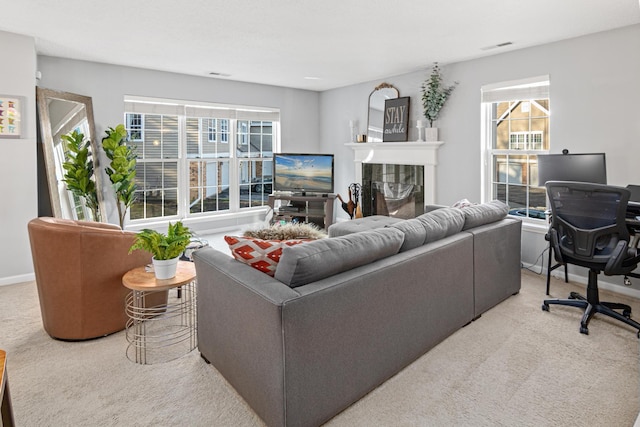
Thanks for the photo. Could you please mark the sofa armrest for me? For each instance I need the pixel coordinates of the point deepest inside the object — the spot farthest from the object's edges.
(240, 329)
(496, 260)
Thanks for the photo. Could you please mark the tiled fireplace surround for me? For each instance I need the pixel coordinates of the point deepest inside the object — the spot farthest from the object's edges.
(404, 162)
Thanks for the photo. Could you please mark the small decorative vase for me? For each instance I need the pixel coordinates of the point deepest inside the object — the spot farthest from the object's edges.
(165, 268)
(431, 134)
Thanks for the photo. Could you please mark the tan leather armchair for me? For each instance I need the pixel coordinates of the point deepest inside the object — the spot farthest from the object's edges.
(79, 267)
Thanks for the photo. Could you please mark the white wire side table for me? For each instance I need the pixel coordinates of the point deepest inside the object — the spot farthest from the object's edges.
(160, 333)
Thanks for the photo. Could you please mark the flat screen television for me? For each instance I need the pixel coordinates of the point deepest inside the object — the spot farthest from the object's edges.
(303, 173)
(583, 167)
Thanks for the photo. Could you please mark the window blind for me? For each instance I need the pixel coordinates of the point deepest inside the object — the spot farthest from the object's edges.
(530, 88)
(210, 111)
(151, 108)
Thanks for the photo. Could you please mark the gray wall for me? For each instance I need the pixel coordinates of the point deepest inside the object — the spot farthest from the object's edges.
(595, 87)
(108, 84)
(18, 185)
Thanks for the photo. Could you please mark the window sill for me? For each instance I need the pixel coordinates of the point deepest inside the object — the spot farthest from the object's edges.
(538, 226)
(208, 223)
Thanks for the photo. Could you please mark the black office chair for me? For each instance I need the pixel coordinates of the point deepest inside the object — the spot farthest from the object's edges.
(588, 229)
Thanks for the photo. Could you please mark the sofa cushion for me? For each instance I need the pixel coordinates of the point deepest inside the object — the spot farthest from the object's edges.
(318, 259)
(484, 213)
(414, 233)
(441, 223)
(260, 254)
(361, 224)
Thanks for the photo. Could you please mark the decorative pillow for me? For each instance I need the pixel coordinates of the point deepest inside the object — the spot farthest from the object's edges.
(325, 257)
(463, 203)
(260, 254)
(442, 223)
(485, 213)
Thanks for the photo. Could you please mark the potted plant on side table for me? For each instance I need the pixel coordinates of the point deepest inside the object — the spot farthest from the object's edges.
(165, 248)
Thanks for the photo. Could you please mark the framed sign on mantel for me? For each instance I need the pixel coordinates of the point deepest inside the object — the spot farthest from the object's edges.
(396, 120)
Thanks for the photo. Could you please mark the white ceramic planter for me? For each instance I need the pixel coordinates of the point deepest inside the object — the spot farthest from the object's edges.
(431, 134)
(165, 268)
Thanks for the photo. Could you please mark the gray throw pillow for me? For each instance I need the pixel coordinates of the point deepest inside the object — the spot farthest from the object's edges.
(441, 223)
(485, 213)
(414, 233)
(316, 260)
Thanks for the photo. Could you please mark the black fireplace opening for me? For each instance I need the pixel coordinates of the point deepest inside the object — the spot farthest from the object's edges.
(392, 190)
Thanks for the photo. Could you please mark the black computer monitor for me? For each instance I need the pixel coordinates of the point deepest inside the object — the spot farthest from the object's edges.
(583, 167)
(635, 193)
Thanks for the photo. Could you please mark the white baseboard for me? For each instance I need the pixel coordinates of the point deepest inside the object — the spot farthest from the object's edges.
(602, 284)
(12, 280)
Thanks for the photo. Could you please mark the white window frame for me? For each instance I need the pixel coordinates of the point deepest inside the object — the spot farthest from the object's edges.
(525, 90)
(232, 114)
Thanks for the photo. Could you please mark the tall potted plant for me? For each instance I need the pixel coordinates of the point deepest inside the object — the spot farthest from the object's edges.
(79, 167)
(434, 95)
(165, 248)
(122, 169)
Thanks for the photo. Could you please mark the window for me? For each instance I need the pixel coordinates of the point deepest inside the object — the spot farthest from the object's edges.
(516, 129)
(195, 160)
(525, 140)
(134, 126)
(208, 164)
(218, 130)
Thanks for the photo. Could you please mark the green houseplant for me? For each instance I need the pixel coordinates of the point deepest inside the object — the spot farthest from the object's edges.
(122, 169)
(79, 167)
(434, 95)
(165, 248)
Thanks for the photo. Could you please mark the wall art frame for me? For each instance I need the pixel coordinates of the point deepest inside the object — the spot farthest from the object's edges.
(396, 120)
(11, 117)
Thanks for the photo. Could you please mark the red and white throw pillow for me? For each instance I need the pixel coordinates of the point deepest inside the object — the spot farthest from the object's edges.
(260, 254)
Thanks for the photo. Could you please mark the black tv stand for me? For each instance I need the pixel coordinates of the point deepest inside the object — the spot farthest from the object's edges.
(310, 208)
(305, 194)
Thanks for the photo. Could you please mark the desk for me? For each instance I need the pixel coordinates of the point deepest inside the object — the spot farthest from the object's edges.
(163, 332)
(7, 413)
(633, 213)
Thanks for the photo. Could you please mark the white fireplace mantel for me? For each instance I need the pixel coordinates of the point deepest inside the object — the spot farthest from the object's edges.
(401, 153)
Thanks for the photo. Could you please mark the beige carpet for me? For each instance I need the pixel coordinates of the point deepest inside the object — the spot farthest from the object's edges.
(515, 366)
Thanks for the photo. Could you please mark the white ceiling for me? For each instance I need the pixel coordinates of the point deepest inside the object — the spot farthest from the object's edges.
(284, 42)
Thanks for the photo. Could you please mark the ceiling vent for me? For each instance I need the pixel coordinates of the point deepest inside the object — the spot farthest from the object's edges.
(495, 46)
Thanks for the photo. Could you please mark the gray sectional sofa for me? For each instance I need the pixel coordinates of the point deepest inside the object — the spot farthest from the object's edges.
(344, 314)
